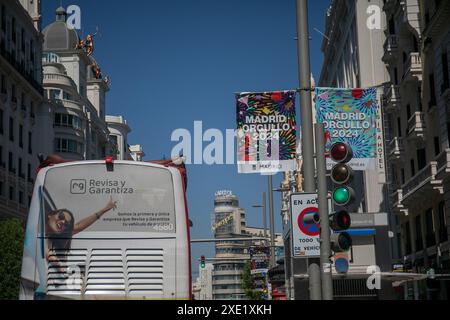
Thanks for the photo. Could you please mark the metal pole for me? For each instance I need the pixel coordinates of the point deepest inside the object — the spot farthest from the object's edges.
(325, 246)
(264, 207)
(272, 223)
(307, 131)
(314, 282)
(305, 95)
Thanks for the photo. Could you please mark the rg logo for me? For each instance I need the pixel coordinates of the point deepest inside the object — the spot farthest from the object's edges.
(78, 186)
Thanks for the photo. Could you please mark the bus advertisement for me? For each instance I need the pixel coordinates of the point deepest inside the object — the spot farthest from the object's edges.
(107, 231)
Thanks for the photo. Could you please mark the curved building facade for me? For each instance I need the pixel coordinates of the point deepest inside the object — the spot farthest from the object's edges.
(231, 255)
(75, 96)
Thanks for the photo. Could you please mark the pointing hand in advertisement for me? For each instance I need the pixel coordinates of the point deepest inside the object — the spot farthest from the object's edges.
(111, 205)
(90, 220)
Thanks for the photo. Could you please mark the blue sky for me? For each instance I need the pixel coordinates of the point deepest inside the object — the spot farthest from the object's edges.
(173, 62)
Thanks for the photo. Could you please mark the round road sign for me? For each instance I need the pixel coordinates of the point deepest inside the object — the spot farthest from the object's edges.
(312, 230)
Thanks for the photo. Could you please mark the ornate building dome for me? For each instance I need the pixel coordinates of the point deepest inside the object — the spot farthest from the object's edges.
(57, 36)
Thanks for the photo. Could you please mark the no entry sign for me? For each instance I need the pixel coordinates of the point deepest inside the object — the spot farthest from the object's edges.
(305, 237)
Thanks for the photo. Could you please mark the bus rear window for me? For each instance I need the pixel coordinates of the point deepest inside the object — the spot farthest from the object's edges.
(89, 198)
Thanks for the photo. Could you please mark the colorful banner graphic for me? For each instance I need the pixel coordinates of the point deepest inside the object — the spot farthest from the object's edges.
(350, 115)
(266, 124)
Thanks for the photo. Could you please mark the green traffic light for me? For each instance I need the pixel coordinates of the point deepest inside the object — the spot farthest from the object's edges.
(341, 196)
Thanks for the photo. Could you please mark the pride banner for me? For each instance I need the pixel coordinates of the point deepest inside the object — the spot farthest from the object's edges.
(350, 116)
(266, 131)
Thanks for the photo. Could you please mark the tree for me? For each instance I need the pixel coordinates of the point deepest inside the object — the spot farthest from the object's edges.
(11, 249)
(248, 284)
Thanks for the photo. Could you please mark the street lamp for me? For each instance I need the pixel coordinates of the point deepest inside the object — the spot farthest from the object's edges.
(263, 206)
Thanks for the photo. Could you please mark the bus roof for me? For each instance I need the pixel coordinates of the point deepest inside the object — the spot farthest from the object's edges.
(53, 160)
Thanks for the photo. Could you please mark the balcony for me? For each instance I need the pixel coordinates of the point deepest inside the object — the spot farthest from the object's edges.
(396, 149)
(440, 17)
(416, 126)
(443, 165)
(392, 101)
(420, 186)
(397, 205)
(390, 48)
(58, 80)
(19, 67)
(412, 69)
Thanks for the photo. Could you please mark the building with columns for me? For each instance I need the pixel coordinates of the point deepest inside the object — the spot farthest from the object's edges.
(119, 130)
(21, 95)
(75, 93)
(353, 59)
(417, 112)
(137, 152)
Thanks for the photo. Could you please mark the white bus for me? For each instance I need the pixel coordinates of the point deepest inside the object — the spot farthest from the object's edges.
(107, 230)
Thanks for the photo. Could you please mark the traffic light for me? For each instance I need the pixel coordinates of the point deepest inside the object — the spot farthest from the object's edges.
(341, 242)
(343, 195)
(342, 173)
(340, 221)
(202, 262)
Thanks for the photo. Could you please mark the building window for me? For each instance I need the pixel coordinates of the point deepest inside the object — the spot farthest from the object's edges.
(21, 169)
(437, 146)
(1, 188)
(3, 18)
(30, 142)
(22, 39)
(11, 129)
(421, 159)
(11, 193)
(445, 72)
(67, 120)
(413, 168)
(419, 241)
(432, 90)
(55, 94)
(21, 136)
(22, 101)
(1, 122)
(11, 163)
(2, 164)
(21, 197)
(443, 232)
(13, 30)
(13, 93)
(67, 96)
(68, 145)
(408, 248)
(29, 173)
(3, 85)
(429, 227)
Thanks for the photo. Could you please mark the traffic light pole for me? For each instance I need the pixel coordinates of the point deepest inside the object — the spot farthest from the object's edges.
(307, 131)
(325, 245)
(272, 222)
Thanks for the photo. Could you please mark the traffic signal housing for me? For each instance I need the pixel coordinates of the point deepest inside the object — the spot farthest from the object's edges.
(341, 242)
(202, 262)
(343, 195)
